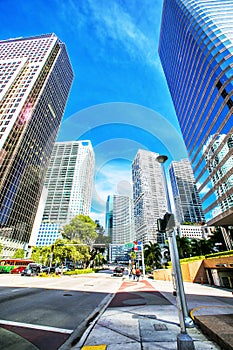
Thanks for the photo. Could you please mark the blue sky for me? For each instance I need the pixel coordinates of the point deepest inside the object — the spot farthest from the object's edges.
(119, 99)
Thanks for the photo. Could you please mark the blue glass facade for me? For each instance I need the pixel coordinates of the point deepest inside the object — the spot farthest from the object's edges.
(196, 51)
(35, 80)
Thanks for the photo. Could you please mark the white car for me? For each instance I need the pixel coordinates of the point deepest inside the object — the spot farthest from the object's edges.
(61, 269)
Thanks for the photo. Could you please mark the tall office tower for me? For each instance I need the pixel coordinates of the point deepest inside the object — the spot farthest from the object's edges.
(196, 51)
(186, 197)
(69, 183)
(149, 195)
(35, 80)
(119, 219)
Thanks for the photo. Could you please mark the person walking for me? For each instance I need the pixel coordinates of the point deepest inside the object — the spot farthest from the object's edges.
(134, 273)
(138, 273)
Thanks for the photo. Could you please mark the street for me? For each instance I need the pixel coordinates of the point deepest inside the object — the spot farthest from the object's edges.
(46, 311)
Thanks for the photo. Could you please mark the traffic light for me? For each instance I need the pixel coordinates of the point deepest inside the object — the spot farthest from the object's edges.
(161, 225)
(167, 223)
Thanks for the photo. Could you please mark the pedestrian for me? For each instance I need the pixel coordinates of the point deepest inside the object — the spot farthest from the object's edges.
(125, 274)
(138, 273)
(133, 273)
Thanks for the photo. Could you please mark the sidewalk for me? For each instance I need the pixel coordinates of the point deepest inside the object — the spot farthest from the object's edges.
(143, 315)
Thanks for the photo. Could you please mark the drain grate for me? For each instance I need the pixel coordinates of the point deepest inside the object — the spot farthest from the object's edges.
(67, 295)
(160, 327)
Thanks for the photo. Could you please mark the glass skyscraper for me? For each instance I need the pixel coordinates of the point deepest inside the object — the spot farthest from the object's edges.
(35, 80)
(196, 51)
(120, 219)
(149, 195)
(186, 197)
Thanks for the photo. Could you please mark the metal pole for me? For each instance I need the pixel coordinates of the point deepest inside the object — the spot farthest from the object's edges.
(143, 262)
(184, 341)
(187, 319)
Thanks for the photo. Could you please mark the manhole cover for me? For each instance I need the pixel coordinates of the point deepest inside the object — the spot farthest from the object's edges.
(160, 327)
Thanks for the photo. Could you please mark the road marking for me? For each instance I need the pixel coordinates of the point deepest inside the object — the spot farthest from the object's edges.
(43, 328)
(94, 347)
(208, 307)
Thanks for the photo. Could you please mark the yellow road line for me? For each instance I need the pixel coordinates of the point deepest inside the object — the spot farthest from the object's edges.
(94, 347)
(207, 307)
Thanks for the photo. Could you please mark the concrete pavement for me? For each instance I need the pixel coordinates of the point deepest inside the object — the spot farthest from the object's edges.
(143, 315)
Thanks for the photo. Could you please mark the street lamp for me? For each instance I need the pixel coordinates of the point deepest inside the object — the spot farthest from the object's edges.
(162, 159)
(184, 341)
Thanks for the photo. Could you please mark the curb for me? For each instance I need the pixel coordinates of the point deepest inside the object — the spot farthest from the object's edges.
(80, 334)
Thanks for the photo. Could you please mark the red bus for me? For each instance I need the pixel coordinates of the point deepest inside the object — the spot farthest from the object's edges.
(6, 265)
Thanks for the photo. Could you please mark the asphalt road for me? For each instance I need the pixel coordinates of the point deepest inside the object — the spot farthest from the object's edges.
(46, 312)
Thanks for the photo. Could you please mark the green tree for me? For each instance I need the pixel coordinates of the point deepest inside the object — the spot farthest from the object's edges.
(36, 254)
(184, 247)
(133, 256)
(217, 240)
(1, 249)
(99, 259)
(19, 253)
(61, 251)
(82, 229)
(152, 255)
(201, 247)
(196, 247)
(101, 238)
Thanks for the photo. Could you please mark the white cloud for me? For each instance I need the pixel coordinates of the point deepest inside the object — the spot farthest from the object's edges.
(116, 24)
(204, 190)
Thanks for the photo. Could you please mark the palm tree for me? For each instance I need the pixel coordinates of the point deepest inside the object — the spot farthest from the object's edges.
(133, 256)
(184, 247)
(152, 255)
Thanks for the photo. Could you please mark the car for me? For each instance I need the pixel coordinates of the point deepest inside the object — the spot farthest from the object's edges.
(118, 271)
(61, 269)
(32, 269)
(18, 270)
(45, 269)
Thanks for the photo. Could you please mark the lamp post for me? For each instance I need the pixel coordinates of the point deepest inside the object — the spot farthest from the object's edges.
(162, 159)
(184, 341)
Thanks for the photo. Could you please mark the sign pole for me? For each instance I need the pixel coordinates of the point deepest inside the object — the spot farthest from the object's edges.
(143, 262)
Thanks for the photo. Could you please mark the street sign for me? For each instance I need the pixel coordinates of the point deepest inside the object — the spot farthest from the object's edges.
(129, 245)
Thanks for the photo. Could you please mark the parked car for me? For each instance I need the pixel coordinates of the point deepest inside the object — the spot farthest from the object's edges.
(44, 269)
(32, 269)
(18, 270)
(118, 271)
(61, 269)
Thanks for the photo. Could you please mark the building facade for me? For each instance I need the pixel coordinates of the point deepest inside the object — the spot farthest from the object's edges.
(35, 80)
(119, 219)
(196, 51)
(69, 183)
(149, 195)
(195, 231)
(186, 198)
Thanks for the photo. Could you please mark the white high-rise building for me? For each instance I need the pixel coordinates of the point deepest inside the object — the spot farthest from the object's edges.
(69, 183)
(185, 194)
(35, 80)
(149, 195)
(119, 219)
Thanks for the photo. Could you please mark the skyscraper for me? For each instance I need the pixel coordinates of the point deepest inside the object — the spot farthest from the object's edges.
(69, 184)
(196, 51)
(186, 197)
(149, 195)
(35, 80)
(119, 219)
